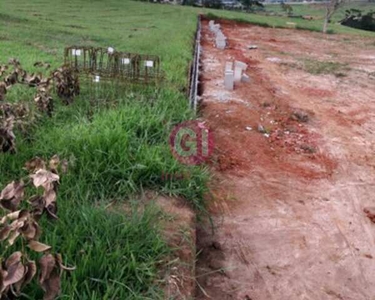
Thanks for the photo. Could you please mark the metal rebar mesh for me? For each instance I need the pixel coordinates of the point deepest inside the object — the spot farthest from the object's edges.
(109, 64)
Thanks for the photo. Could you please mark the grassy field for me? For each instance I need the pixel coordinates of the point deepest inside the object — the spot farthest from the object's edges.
(312, 10)
(116, 142)
(318, 10)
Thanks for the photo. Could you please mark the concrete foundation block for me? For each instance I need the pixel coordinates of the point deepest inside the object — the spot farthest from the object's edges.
(245, 78)
(240, 64)
(215, 28)
(239, 68)
(220, 35)
(221, 45)
(237, 74)
(229, 80)
(229, 66)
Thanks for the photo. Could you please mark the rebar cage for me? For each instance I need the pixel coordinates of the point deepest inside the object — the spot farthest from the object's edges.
(108, 64)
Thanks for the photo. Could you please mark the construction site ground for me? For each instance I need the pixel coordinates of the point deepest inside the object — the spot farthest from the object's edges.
(293, 168)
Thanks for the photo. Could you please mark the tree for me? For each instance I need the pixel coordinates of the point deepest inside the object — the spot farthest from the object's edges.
(212, 4)
(331, 8)
(248, 4)
(287, 8)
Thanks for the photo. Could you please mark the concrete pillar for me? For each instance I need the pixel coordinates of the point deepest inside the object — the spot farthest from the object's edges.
(239, 67)
(229, 76)
(220, 43)
(229, 80)
(228, 66)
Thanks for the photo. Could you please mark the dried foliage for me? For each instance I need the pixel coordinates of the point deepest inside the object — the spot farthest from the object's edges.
(42, 64)
(18, 115)
(3, 90)
(65, 79)
(20, 223)
(14, 115)
(7, 137)
(67, 84)
(43, 99)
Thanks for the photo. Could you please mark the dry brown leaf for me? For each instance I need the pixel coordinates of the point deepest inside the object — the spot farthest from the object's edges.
(54, 163)
(15, 269)
(38, 204)
(15, 274)
(16, 224)
(3, 274)
(47, 263)
(31, 272)
(67, 84)
(7, 137)
(52, 285)
(43, 177)
(50, 196)
(3, 69)
(35, 164)
(38, 247)
(12, 195)
(32, 80)
(4, 232)
(42, 64)
(10, 217)
(64, 166)
(13, 258)
(12, 190)
(13, 236)
(52, 211)
(11, 79)
(43, 100)
(19, 226)
(30, 230)
(49, 278)
(14, 61)
(3, 91)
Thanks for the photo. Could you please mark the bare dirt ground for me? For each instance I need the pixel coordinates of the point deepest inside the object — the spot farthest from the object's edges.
(290, 203)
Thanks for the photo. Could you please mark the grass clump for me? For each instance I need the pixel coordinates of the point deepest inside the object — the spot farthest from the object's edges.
(117, 254)
(326, 67)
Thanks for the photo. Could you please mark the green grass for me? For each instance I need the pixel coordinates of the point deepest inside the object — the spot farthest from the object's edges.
(116, 255)
(280, 21)
(116, 141)
(325, 67)
(318, 10)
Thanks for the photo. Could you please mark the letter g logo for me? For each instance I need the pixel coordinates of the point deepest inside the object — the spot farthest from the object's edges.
(191, 142)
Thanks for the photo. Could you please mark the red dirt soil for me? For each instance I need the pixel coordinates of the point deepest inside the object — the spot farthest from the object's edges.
(289, 202)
